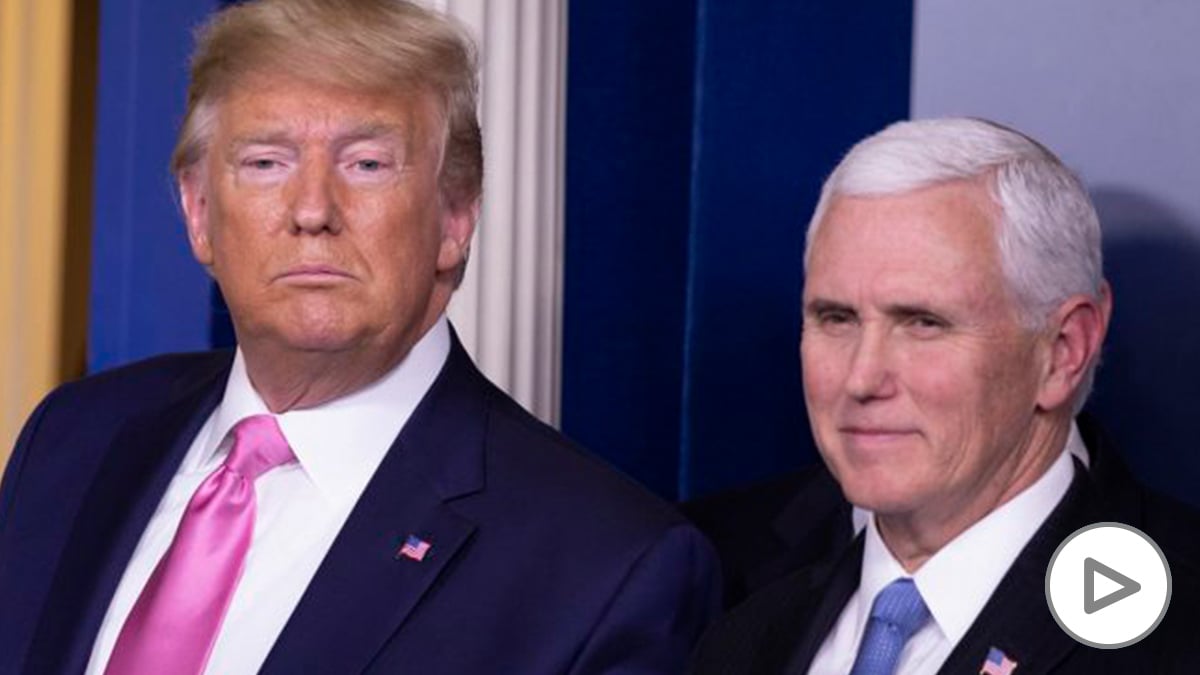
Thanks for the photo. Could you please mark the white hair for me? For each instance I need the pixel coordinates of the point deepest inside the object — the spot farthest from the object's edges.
(1048, 233)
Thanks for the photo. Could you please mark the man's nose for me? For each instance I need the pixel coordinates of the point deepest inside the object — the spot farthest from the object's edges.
(871, 375)
(314, 208)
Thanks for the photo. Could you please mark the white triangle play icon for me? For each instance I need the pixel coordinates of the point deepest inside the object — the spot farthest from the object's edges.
(1091, 603)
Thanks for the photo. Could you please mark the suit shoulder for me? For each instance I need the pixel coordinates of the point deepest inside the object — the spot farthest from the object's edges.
(148, 379)
(101, 402)
(735, 512)
(747, 634)
(764, 531)
(1170, 522)
(522, 449)
(1174, 526)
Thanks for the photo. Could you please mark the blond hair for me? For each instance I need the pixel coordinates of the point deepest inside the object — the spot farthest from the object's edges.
(373, 45)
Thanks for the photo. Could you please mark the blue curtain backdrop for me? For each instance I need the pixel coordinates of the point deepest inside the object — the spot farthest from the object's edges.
(698, 134)
(148, 296)
(697, 141)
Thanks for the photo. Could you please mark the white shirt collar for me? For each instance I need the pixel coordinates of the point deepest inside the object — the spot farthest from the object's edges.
(339, 444)
(987, 548)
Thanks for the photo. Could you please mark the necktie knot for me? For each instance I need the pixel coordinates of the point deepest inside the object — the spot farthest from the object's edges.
(897, 612)
(258, 447)
(900, 604)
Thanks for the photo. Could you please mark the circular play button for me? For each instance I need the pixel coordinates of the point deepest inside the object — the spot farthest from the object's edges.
(1108, 585)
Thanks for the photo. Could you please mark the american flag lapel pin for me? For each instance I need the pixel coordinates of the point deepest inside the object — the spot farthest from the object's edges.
(414, 548)
(997, 663)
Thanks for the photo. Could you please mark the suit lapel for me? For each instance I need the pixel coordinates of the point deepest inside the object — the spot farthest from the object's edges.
(1016, 619)
(138, 467)
(815, 608)
(363, 590)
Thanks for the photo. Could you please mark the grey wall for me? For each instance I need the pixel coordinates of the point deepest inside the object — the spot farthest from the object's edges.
(1113, 87)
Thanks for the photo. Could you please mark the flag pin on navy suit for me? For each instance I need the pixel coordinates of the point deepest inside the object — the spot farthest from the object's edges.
(997, 663)
(414, 548)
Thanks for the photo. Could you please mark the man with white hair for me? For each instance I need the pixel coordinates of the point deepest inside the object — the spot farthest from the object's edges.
(953, 314)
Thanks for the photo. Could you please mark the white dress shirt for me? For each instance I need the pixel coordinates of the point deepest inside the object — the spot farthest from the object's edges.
(300, 507)
(956, 582)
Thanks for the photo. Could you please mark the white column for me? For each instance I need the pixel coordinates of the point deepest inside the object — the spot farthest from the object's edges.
(509, 307)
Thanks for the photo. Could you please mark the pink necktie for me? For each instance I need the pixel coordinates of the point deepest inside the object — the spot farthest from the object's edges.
(174, 623)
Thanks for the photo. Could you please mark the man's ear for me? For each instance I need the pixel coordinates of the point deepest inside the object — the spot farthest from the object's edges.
(1077, 329)
(458, 225)
(193, 198)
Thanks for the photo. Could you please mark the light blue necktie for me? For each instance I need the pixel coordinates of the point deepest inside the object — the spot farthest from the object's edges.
(897, 613)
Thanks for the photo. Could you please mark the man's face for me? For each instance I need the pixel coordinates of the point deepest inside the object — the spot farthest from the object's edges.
(317, 211)
(919, 380)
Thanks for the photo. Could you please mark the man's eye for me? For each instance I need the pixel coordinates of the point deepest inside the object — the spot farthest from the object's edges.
(927, 323)
(369, 164)
(834, 318)
(832, 322)
(262, 164)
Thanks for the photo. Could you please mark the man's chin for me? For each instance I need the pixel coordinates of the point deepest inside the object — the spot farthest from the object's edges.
(313, 339)
(321, 327)
(879, 497)
(333, 340)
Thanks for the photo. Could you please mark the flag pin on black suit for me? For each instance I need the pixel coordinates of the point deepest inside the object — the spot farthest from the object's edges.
(414, 548)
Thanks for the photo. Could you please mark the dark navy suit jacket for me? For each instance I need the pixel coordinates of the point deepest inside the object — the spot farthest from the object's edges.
(543, 559)
(807, 565)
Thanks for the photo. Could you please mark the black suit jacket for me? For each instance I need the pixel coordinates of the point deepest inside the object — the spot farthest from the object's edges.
(765, 531)
(543, 559)
(780, 628)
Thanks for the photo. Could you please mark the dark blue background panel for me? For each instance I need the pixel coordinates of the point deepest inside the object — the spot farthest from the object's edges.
(148, 295)
(628, 155)
(693, 162)
(785, 88)
(1146, 389)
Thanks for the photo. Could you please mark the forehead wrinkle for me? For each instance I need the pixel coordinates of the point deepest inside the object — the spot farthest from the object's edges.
(936, 269)
(264, 138)
(251, 104)
(369, 131)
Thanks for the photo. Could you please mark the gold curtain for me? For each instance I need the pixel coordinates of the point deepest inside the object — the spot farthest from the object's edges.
(47, 82)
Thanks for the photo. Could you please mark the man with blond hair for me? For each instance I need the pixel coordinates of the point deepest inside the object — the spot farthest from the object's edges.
(345, 492)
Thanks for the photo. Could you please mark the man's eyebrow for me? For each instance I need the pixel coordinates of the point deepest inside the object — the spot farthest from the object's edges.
(823, 305)
(909, 310)
(362, 132)
(900, 311)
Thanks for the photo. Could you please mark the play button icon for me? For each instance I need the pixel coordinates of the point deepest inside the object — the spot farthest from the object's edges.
(1108, 585)
(1092, 567)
